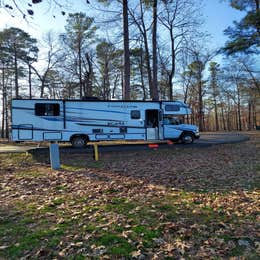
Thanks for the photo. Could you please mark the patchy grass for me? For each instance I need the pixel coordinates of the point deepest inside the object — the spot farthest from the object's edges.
(168, 204)
(30, 174)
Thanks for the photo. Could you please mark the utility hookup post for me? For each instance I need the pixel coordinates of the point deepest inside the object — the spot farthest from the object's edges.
(95, 152)
(54, 156)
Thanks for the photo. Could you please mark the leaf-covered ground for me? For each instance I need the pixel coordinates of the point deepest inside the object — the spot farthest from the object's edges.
(169, 203)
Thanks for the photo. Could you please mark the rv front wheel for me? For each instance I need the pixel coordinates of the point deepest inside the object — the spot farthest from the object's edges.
(79, 141)
(187, 138)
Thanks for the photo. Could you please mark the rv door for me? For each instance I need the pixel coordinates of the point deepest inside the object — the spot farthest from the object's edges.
(152, 124)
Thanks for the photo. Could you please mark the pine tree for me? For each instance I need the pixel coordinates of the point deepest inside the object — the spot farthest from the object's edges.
(245, 35)
(19, 46)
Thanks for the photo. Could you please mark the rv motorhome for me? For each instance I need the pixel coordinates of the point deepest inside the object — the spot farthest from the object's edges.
(80, 121)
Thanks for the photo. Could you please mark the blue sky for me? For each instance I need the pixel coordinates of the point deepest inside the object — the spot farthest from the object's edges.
(218, 15)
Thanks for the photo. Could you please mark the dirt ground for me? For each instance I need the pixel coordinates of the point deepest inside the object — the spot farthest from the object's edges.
(171, 203)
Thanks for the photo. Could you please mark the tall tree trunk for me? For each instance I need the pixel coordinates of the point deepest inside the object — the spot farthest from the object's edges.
(30, 80)
(249, 126)
(228, 116)
(205, 128)
(239, 109)
(115, 85)
(126, 78)
(42, 85)
(172, 72)
(155, 94)
(6, 117)
(239, 117)
(106, 82)
(216, 114)
(200, 112)
(147, 53)
(3, 117)
(186, 93)
(90, 76)
(16, 74)
(142, 73)
(3, 102)
(42, 89)
(80, 72)
(254, 114)
(223, 118)
(148, 65)
(236, 118)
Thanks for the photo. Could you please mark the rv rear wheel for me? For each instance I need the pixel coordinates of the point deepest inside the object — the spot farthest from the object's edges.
(79, 141)
(187, 138)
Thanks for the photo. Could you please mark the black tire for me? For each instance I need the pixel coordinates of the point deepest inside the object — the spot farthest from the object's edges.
(79, 141)
(187, 138)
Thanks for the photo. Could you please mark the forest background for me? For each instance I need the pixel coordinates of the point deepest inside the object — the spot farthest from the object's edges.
(135, 50)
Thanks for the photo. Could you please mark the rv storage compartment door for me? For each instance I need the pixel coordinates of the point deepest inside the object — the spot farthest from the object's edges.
(152, 133)
(52, 136)
(25, 132)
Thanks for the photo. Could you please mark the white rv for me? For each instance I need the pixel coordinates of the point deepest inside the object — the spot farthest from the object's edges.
(80, 121)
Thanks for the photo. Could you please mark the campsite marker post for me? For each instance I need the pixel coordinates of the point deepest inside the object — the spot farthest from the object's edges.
(54, 156)
(95, 152)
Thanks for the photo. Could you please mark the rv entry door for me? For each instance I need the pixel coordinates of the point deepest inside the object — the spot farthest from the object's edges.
(152, 124)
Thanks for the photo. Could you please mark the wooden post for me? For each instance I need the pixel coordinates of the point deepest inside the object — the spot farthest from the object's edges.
(95, 152)
(54, 156)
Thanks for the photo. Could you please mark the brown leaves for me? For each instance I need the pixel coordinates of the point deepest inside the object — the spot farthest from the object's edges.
(164, 203)
(214, 168)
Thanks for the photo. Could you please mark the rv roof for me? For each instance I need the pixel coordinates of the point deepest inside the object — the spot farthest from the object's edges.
(98, 100)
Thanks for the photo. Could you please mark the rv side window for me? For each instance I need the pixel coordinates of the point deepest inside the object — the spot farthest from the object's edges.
(135, 114)
(172, 108)
(43, 109)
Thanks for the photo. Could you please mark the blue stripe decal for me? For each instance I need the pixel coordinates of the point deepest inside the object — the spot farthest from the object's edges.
(97, 110)
(23, 108)
(78, 119)
(48, 118)
(43, 129)
(71, 118)
(111, 126)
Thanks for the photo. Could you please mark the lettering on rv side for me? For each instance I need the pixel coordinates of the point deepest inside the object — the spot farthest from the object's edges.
(122, 106)
(118, 123)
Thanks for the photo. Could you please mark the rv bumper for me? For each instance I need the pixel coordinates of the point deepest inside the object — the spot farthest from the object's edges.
(197, 135)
